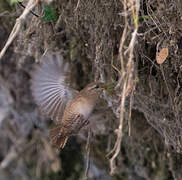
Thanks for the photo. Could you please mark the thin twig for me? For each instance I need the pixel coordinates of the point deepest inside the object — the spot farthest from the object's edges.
(127, 71)
(88, 155)
(30, 5)
(170, 96)
(21, 4)
(77, 6)
(129, 118)
(5, 13)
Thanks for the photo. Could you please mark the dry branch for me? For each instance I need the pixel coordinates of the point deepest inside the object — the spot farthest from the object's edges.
(30, 5)
(127, 75)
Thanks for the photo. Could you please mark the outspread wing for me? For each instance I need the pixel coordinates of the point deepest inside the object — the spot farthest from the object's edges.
(49, 87)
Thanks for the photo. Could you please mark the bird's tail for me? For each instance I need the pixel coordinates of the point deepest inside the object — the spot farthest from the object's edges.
(59, 136)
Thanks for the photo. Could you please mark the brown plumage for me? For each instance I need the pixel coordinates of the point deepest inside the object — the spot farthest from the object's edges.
(51, 91)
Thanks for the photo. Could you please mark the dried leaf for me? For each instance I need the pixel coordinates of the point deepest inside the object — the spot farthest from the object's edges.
(162, 55)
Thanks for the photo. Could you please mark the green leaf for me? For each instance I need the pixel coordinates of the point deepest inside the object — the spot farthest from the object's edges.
(15, 1)
(49, 15)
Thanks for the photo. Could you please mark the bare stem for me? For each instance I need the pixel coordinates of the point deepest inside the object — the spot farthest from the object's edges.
(127, 74)
(30, 5)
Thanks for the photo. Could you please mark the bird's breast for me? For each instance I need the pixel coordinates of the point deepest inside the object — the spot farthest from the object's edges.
(85, 109)
(81, 106)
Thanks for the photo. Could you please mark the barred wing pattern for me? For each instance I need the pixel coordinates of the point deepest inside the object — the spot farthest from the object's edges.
(48, 85)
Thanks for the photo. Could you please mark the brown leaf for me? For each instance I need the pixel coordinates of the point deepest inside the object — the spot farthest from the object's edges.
(162, 55)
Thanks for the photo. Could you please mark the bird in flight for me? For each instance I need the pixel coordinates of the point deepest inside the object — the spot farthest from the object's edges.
(53, 94)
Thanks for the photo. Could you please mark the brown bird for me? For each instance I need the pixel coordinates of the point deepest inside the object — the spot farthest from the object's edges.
(53, 94)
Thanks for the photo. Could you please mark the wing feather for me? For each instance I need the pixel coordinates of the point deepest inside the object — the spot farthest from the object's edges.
(48, 85)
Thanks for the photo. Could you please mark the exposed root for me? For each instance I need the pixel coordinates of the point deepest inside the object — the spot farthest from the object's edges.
(127, 75)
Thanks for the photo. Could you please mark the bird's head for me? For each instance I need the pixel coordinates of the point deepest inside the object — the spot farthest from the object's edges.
(94, 88)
